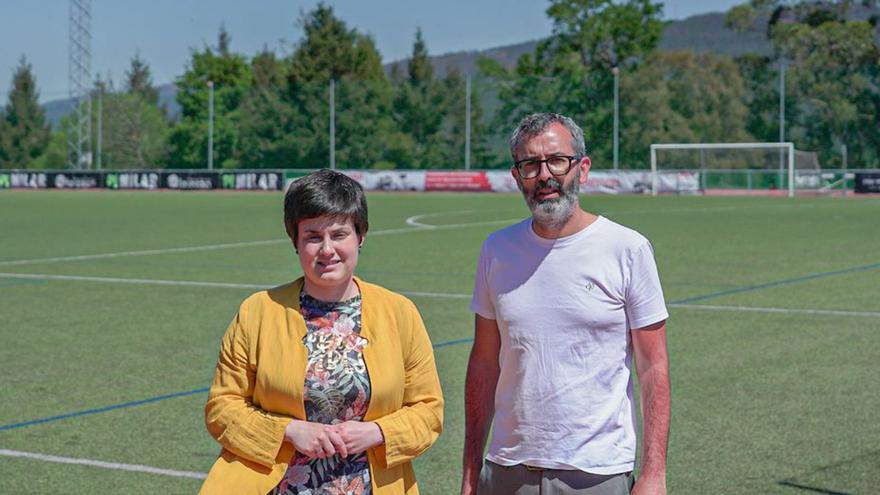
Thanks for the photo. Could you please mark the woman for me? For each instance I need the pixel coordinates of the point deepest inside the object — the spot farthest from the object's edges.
(326, 384)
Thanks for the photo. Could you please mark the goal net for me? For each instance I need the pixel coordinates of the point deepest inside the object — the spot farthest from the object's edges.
(736, 169)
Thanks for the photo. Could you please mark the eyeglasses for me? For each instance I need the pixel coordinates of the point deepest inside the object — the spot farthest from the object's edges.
(557, 165)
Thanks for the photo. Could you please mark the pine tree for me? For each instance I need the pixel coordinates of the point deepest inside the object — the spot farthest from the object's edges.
(223, 41)
(139, 81)
(24, 132)
(330, 50)
(232, 77)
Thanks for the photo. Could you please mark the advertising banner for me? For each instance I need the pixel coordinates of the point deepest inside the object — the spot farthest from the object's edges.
(188, 180)
(131, 180)
(249, 181)
(501, 181)
(74, 180)
(457, 181)
(23, 180)
(867, 182)
(610, 182)
(388, 180)
(682, 182)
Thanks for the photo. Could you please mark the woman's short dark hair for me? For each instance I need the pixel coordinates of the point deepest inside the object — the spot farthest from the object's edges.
(325, 193)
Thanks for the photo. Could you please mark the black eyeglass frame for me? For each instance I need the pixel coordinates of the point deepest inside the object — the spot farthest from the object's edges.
(519, 165)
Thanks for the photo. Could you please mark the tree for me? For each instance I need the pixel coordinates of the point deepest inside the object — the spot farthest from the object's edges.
(832, 80)
(24, 133)
(835, 80)
(570, 72)
(134, 132)
(231, 76)
(330, 50)
(421, 107)
(138, 80)
(265, 116)
(692, 98)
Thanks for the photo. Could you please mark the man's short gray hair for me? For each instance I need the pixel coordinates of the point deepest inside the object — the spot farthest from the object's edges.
(536, 123)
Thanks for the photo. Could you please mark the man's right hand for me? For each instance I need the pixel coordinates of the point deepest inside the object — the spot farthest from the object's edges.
(470, 479)
(479, 399)
(314, 440)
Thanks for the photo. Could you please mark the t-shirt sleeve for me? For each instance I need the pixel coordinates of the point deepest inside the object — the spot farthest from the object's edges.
(481, 301)
(645, 304)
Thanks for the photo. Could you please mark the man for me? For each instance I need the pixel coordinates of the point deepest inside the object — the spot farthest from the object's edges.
(563, 301)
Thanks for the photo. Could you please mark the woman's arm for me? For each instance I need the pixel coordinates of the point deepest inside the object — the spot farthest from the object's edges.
(412, 429)
(230, 415)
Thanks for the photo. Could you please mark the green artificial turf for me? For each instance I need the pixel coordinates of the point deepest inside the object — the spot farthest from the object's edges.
(763, 402)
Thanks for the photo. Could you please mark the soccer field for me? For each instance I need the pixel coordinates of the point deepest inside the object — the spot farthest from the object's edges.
(112, 306)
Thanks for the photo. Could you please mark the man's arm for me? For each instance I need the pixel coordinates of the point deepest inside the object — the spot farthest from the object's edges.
(479, 399)
(652, 366)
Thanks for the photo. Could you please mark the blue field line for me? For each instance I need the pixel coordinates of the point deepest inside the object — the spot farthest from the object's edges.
(778, 283)
(158, 398)
(103, 409)
(447, 343)
(453, 342)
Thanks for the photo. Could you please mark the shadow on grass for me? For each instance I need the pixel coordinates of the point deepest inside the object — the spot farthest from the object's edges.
(813, 488)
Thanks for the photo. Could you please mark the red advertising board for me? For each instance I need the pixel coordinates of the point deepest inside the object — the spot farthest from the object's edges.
(456, 181)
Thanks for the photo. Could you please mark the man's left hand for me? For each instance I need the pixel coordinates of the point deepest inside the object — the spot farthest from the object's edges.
(650, 486)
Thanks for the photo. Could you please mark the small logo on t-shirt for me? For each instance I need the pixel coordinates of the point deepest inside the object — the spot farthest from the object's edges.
(589, 286)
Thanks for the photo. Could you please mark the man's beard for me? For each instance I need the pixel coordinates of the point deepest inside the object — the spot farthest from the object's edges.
(553, 213)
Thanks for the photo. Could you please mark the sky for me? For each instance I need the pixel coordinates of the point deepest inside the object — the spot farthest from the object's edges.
(164, 31)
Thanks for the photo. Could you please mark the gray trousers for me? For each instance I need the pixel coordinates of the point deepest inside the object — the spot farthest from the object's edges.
(521, 480)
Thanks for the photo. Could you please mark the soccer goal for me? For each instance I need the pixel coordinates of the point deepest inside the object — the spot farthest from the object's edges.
(725, 168)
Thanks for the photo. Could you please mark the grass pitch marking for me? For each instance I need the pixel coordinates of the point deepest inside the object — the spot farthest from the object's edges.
(233, 245)
(413, 222)
(136, 468)
(440, 295)
(785, 311)
(188, 283)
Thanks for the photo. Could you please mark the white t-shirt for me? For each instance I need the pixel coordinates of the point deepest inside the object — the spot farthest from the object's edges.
(565, 308)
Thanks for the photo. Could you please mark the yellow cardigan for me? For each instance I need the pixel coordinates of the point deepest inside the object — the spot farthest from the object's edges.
(259, 380)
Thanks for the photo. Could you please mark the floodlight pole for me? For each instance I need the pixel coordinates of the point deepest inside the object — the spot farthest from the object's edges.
(210, 125)
(781, 100)
(616, 71)
(781, 113)
(100, 136)
(467, 122)
(332, 124)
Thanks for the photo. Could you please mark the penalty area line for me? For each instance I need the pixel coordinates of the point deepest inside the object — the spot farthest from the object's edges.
(233, 245)
(684, 304)
(135, 468)
(190, 283)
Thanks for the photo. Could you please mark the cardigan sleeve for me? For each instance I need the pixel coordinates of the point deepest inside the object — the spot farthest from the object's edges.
(412, 429)
(230, 414)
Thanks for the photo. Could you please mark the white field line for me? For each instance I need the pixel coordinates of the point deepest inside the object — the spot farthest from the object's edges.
(147, 252)
(787, 311)
(136, 468)
(439, 295)
(189, 283)
(414, 220)
(134, 281)
(210, 247)
(415, 226)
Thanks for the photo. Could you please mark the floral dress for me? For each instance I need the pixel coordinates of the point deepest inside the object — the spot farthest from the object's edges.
(337, 389)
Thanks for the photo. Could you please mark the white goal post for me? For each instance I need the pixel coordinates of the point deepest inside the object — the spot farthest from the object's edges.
(787, 146)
